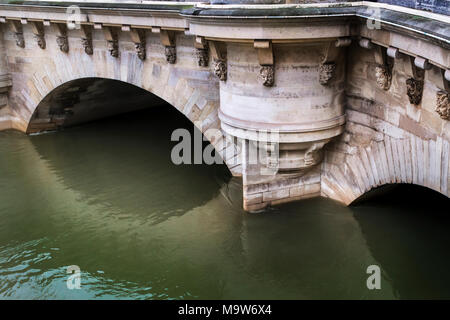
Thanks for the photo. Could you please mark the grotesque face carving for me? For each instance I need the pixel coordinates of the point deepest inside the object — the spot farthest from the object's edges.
(443, 105)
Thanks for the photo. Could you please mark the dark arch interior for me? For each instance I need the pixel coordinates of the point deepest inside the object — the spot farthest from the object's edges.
(407, 228)
(403, 194)
(88, 99)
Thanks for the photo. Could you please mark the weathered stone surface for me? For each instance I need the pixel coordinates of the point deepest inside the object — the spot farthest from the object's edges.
(63, 43)
(87, 45)
(383, 76)
(267, 75)
(326, 72)
(220, 69)
(414, 90)
(40, 39)
(202, 57)
(171, 54)
(443, 105)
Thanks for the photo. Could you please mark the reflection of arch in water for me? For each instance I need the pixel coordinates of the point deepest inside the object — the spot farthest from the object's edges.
(406, 229)
(127, 164)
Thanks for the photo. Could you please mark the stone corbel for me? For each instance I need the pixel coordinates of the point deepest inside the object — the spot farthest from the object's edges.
(383, 68)
(443, 96)
(61, 37)
(112, 39)
(218, 54)
(327, 67)
(266, 61)
(86, 39)
(168, 41)
(38, 31)
(138, 38)
(16, 27)
(202, 51)
(414, 84)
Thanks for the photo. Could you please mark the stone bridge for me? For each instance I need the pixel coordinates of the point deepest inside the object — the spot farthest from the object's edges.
(357, 92)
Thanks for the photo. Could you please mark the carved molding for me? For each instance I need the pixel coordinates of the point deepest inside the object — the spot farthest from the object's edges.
(384, 76)
(87, 45)
(267, 74)
(326, 72)
(171, 54)
(220, 69)
(140, 50)
(443, 105)
(202, 57)
(63, 43)
(414, 89)
(113, 48)
(20, 41)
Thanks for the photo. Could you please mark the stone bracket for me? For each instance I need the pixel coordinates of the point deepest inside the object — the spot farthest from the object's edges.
(39, 34)
(443, 96)
(112, 39)
(138, 38)
(168, 41)
(16, 27)
(218, 53)
(383, 68)
(202, 51)
(266, 61)
(327, 65)
(415, 82)
(61, 37)
(86, 39)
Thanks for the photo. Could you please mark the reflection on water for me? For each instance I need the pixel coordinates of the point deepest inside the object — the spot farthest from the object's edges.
(105, 197)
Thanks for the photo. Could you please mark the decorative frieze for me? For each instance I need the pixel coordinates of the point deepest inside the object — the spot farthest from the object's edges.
(326, 72)
(266, 73)
(383, 76)
(443, 105)
(414, 90)
(220, 69)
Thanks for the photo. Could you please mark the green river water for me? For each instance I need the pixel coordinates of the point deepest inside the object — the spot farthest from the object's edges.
(105, 196)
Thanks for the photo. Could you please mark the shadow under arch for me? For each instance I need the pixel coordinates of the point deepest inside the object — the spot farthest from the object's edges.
(89, 99)
(406, 229)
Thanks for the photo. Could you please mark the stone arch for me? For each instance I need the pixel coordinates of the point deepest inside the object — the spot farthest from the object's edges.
(193, 92)
(411, 160)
